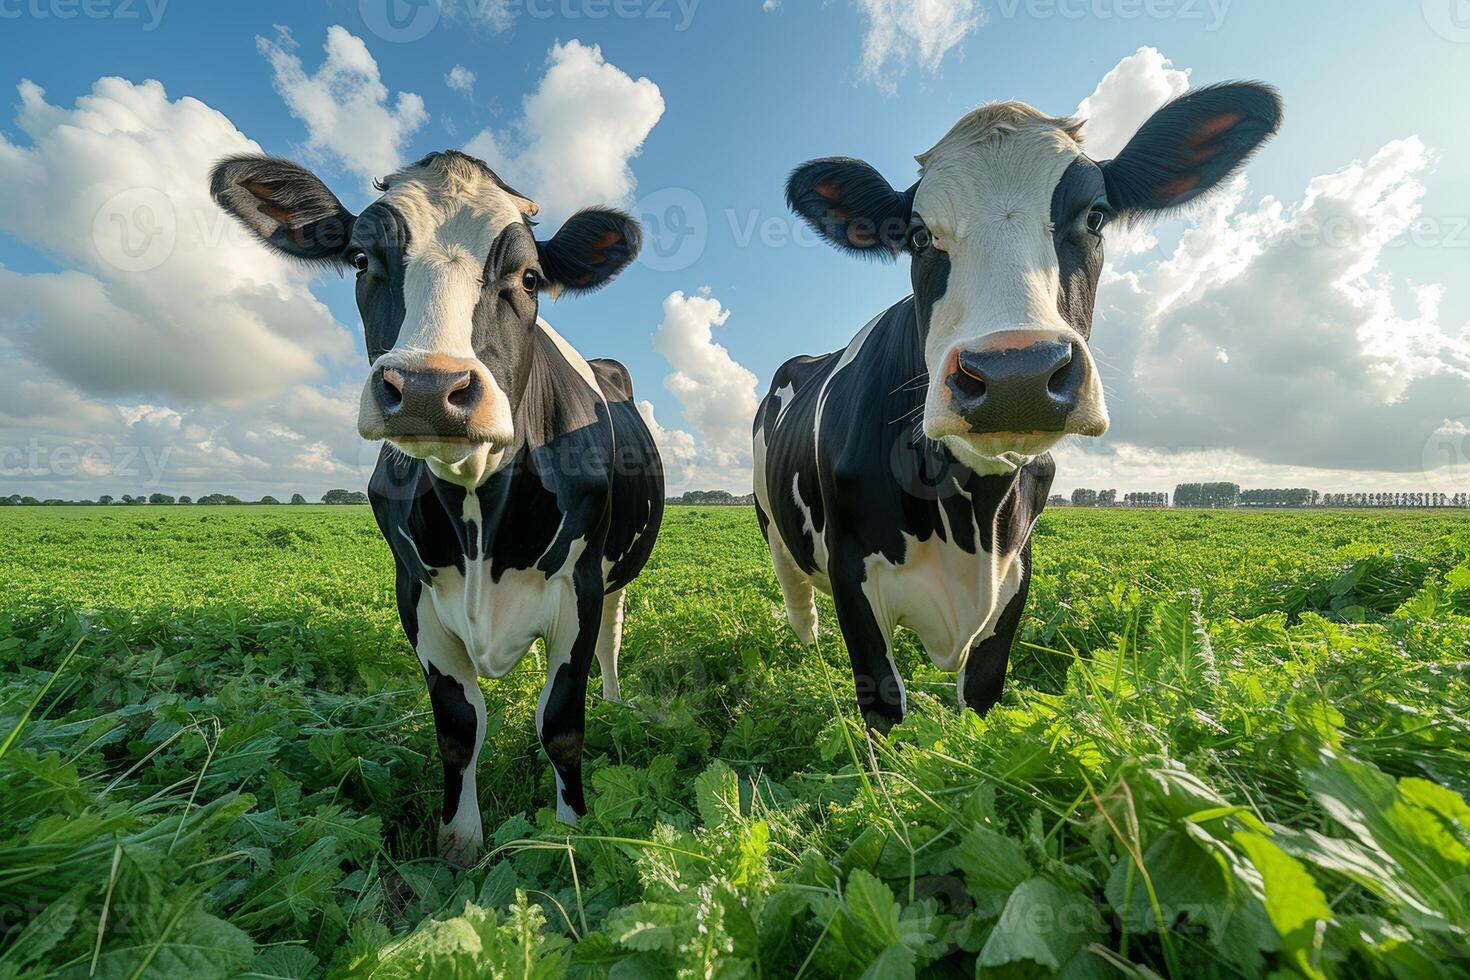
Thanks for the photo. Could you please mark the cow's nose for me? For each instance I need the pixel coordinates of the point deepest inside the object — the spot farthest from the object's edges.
(424, 403)
(1018, 389)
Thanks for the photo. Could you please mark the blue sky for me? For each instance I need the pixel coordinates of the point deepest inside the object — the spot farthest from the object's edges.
(747, 93)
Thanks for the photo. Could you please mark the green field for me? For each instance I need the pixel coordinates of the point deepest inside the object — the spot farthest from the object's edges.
(1231, 744)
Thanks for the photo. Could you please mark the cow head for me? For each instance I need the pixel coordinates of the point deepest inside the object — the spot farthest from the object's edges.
(1005, 231)
(449, 279)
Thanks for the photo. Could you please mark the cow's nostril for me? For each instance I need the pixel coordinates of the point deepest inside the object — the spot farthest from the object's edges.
(464, 392)
(1065, 380)
(967, 386)
(968, 382)
(391, 392)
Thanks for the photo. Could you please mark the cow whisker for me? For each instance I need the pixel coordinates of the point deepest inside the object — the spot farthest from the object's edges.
(911, 382)
(909, 414)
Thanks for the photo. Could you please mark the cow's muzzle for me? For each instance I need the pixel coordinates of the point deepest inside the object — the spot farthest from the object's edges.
(438, 400)
(1025, 381)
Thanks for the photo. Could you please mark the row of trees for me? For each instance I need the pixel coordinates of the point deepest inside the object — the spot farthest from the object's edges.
(1296, 497)
(1083, 497)
(1208, 495)
(1228, 495)
(163, 499)
(717, 497)
(1190, 495)
(1396, 500)
(1146, 498)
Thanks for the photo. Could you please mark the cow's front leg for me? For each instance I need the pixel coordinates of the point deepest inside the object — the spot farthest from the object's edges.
(982, 677)
(880, 692)
(561, 714)
(459, 722)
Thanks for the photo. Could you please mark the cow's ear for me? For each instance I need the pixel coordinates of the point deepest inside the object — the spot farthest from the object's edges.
(849, 203)
(589, 250)
(1191, 145)
(285, 205)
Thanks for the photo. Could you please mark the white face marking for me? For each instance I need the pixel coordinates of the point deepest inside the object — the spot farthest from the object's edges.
(454, 213)
(989, 202)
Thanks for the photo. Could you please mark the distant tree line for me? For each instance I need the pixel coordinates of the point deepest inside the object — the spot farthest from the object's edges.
(719, 498)
(1085, 497)
(1296, 497)
(1216, 496)
(1396, 500)
(163, 499)
(1211, 496)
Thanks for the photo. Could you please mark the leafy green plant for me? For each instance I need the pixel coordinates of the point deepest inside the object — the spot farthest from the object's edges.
(221, 762)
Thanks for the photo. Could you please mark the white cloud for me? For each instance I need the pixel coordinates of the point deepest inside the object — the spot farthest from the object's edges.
(1270, 336)
(1127, 95)
(717, 397)
(61, 442)
(460, 79)
(171, 343)
(345, 103)
(160, 294)
(919, 31)
(579, 129)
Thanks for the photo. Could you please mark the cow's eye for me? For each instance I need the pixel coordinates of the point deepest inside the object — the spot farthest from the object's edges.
(1096, 219)
(359, 260)
(531, 280)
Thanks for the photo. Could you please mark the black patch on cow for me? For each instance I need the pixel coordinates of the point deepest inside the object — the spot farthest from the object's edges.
(383, 236)
(638, 479)
(456, 726)
(1079, 251)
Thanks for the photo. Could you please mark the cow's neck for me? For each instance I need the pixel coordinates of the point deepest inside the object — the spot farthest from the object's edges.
(933, 458)
(475, 513)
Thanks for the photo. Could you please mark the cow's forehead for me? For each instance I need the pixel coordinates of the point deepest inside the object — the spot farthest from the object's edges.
(1006, 157)
(452, 190)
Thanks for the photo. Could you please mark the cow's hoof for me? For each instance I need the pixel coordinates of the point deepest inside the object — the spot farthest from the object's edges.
(879, 722)
(462, 852)
(806, 633)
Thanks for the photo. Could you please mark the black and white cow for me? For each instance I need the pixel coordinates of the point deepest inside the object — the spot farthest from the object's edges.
(518, 487)
(903, 473)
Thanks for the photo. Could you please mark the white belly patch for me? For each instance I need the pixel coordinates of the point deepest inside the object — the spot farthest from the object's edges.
(949, 597)
(498, 621)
